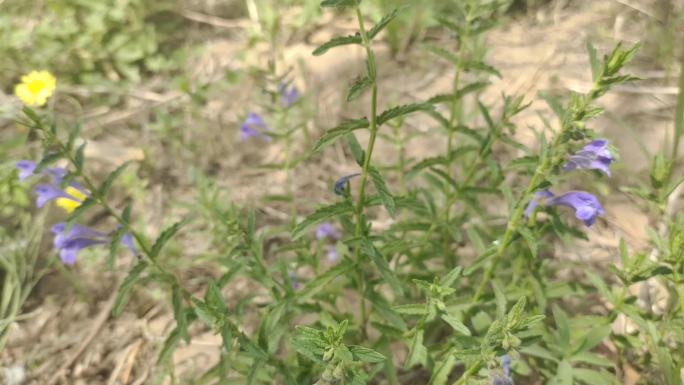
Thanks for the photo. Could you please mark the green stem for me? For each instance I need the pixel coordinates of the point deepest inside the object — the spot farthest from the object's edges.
(366, 161)
(468, 373)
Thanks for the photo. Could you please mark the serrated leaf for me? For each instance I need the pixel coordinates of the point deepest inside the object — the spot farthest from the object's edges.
(417, 352)
(126, 286)
(362, 353)
(455, 324)
(335, 133)
(451, 277)
(169, 346)
(355, 148)
(410, 309)
(563, 327)
(383, 191)
(73, 135)
(337, 42)
(530, 239)
(358, 87)
(114, 245)
(179, 313)
(321, 215)
(398, 111)
(383, 267)
(441, 371)
(79, 158)
(165, 236)
(318, 283)
(593, 61)
(380, 25)
(107, 184)
(47, 160)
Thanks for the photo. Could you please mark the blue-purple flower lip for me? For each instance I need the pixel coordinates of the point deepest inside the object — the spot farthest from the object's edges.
(587, 207)
(341, 184)
(326, 230)
(69, 241)
(594, 156)
(254, 126)
(288, 94)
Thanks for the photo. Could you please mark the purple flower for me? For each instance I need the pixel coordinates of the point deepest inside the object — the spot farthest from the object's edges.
(70, 243)
(26, 168)
(539, 195)
(288, 95)
(587, 207)
(253, 127)
(506, 365)
(47, 192)
(501, 380)
(341, 184)
(594, 156)
(332, 253)
(325, 230)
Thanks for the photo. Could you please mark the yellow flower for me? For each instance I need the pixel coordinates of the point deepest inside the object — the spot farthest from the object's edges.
(35, 88)
(69, 205)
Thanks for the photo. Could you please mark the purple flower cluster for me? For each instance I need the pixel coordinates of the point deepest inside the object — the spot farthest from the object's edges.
(594, 156)
(68, 240)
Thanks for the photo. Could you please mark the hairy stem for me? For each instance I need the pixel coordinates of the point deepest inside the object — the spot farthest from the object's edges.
(366, 161)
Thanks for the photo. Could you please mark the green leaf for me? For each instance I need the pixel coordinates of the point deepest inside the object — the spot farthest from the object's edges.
(335, 133)
(107, 184)
(321, 215)
(410, 309)
(165, 236)
(594, 377)
(169, 346)
(451, 277)
(355, 148)
(179, 313)
(361, 353)
(126, 286)
(339, 3)
(337, 42)
(79, 158)
(442, 369)
(385, 195)
(530, 239)
(563, 374)
(321, 281)
(383, 267)
(73, 135)
(358, 87)
(398, 111)
(47, 160)
(563, 326)
(380, 25)
(593, 338)
(456, 324)
(593, 60)
(418, 354)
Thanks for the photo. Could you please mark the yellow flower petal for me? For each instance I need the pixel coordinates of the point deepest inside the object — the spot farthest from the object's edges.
(35, 88)
(69, 205)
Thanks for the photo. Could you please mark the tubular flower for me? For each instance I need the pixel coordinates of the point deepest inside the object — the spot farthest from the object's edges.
(253, 127)
(341, 184)
(594, 156)
(587, 207)
(70, 242)
(332, 253)
(35, 88)
(288, 95)
(68, 199)
(26, 168)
